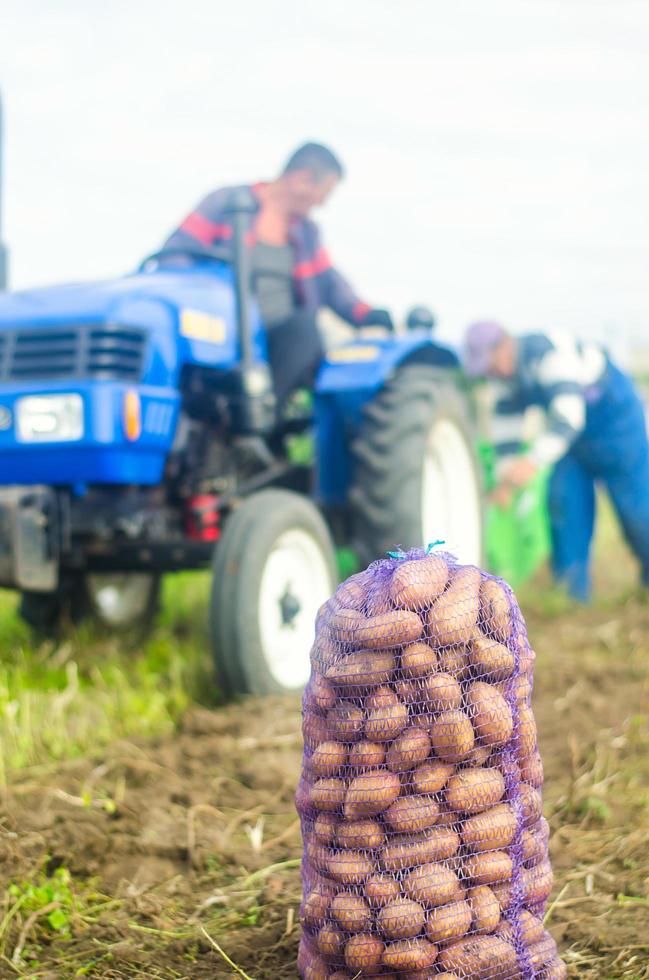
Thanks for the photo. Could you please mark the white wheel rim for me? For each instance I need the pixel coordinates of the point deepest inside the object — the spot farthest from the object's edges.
(120, 599)
(450, 499)
(295, 582)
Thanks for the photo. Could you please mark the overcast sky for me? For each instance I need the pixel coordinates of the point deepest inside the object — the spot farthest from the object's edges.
(497, 152)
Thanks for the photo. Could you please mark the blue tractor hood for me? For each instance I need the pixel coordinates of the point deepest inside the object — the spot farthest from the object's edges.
(189, 314)
(113, 300)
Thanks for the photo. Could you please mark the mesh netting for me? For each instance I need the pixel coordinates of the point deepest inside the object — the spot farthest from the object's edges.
(425, 850)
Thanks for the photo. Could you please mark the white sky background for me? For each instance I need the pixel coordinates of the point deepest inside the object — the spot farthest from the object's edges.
(497, 150)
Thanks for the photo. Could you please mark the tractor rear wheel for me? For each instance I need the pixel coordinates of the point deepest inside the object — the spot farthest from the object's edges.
(417, 476)
(273, 568)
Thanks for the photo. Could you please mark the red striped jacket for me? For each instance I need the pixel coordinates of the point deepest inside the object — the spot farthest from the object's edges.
(317, 282)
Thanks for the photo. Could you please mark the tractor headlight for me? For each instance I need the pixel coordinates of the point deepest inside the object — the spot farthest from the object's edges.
(49, 418)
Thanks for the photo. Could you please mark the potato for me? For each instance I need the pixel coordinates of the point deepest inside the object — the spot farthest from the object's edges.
(330, 941)
(491, 830)
(431, 776)
(542, 952)
(314, 729)
(370, 793)
(418, 660)
(350, 867)
(409, 954)
(488, 868)
(401, 919)
(432, 884)
(351, 912)
(474, 790)
(316, 905)
(453, 616)
(381, 697)
(325, 650)
(481, 957)
(324, 828)
(527, 733)
(442, 692)
(316, 969)
(365, 834)
(527, 657)
(353, 592)
(485, 908)
(448, 817)
(381, 889)
(454, 661)
(409, 748)
(490, 714)
(417, 583)
(410, 691)
(556, 969)
(531, 929)
(321, 692)
(328, 759)
(532, 804)
(534, 842)
(452, 736)
(390, 629)
(490, 659)
(532, 769)
(411, 850)
(495, 611)
(328, 794)
(362, 668)
(426, 975)
(478, 756)
(503, 892)
(522, 689)
(410, 814)
(363, 954)
(448, 922)
(537, 883)
(317, 855)
(385, 723)
(365, 755)
(345, 721)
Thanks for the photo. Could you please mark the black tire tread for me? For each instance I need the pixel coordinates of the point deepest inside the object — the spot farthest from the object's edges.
(385, 493)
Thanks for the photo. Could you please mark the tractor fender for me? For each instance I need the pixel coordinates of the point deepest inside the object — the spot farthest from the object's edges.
(349, 378)
(366, 363)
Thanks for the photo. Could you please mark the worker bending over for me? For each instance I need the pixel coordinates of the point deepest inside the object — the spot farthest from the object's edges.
(595, 431)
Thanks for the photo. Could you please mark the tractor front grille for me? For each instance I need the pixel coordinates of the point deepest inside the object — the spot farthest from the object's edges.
(103, 352)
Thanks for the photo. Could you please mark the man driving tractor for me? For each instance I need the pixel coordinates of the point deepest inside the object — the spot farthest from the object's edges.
(595, 431)
(293, 275)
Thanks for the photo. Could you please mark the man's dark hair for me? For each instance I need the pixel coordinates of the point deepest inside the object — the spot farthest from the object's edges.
(319, 160)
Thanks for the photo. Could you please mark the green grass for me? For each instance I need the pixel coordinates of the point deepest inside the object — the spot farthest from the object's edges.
(63, 700)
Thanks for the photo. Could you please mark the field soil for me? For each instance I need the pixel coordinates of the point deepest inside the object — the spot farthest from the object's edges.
(183, 853)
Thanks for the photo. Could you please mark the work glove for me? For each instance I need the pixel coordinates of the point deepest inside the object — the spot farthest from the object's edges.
(378, 318)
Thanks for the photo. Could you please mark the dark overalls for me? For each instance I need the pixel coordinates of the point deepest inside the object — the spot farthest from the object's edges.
(612, 449)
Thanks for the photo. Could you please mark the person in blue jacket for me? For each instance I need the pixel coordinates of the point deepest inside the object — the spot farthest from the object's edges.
(595, 432)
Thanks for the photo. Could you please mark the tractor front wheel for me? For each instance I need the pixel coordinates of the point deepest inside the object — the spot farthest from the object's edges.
(117, 602)
(273, 568)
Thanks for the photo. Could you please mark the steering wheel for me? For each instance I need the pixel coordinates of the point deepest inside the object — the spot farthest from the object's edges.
(218, 253)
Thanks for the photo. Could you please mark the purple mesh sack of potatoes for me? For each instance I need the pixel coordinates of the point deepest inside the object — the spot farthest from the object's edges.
(425, 850)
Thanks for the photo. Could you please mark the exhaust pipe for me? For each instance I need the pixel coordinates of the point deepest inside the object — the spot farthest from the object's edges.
(4, 254)
(252, 404)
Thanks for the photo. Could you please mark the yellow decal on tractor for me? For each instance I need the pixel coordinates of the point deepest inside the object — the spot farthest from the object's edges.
(361, 352)
(202, 326)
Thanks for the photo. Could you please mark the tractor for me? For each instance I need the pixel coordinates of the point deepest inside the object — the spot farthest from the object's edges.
(139, 436)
